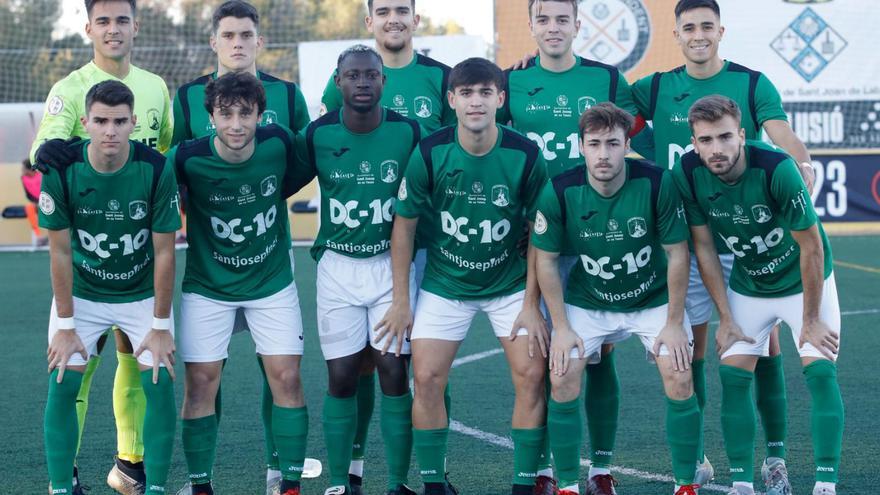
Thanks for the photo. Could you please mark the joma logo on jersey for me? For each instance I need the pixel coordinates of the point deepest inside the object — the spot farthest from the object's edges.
(137, 210)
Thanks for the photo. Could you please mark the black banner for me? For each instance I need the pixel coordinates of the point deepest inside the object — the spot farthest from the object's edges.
(847, 188)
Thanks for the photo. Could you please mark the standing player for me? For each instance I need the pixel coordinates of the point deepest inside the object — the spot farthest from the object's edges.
(111, 28)
(359, 153)
(236, 40)
(546, 97)
(752, 197)
(111, 216)
(415, 87)
(238, 259)
(625, 221)
(665, 98)
(477, 184)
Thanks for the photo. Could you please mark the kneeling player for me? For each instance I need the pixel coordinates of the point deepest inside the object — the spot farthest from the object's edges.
(751, 195)
(625, 221)
(358, 153)
(239, 259)
(111, 217)
(477, 183)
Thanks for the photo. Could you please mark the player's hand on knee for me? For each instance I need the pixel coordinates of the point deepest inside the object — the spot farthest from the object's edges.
(160, 343)
(674, 337)
(821, 337)
(531, 319)
(564, 340)
(729, 333)
(65, 343)
(524, 62)
(54, 153)
(395, 325)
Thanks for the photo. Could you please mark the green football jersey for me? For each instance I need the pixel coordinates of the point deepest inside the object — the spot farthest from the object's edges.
(359, 175)
(618, 240)
(111, 217)
(477, 208)
(416, 91)
(66, 103)
(285, 105)
(236, 216)
(754, 218)
(546, 106)
(666, 97)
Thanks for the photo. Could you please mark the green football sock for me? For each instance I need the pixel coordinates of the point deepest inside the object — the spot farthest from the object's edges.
(290, 425)
(397, 433)
(566, 431)
(129, 407)
(268, 438)
(826, 418)
(340, 422)
(366, 401)
(82, 398)
(199, 446)
(60, 432)
(160, 422)
(738, 421)
(683, 436)
(698, 370)
(772, 404)
(430, 447)
(602, 400)
(527, 443)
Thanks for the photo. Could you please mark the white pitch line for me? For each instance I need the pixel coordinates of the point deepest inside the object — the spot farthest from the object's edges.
(507, 443)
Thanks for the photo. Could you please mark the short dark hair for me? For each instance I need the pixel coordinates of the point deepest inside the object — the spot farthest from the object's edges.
(232, 88)
(111, 93)
(685, 5)
(475, 70)
(603, 116)
(370, 6)
(357, 50)
(713, 108)
(574, 5)
(90, 4)
(234, 8)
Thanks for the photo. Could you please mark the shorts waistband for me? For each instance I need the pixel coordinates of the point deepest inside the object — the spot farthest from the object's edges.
(329, 254)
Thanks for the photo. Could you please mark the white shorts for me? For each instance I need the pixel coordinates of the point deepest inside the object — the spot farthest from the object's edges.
(449, 319)
(92, 319)
(206, 325)
(353, 296)
(698, 303)
(755, 316)
(595, 327)
(241, 324)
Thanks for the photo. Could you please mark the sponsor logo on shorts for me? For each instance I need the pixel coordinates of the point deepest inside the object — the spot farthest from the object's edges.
(47, 204)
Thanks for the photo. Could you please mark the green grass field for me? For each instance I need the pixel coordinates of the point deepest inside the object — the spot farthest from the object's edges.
(479, 454)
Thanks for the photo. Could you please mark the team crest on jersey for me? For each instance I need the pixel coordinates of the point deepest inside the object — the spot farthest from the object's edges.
(389, 171)
(55, 106)
(761, 213)
(269, 185)
(585, 103)
(137, 210)
(637, 227)
(424, 107)
(365, 167)
(401, 191)
(540, 223)
(270, 117)
(500, 195)
(153, 119)
(615, 32)
(399, 100)
(47, 204)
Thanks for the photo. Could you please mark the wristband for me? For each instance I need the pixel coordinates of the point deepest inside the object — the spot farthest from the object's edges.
(66, 323)
(161, 323)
